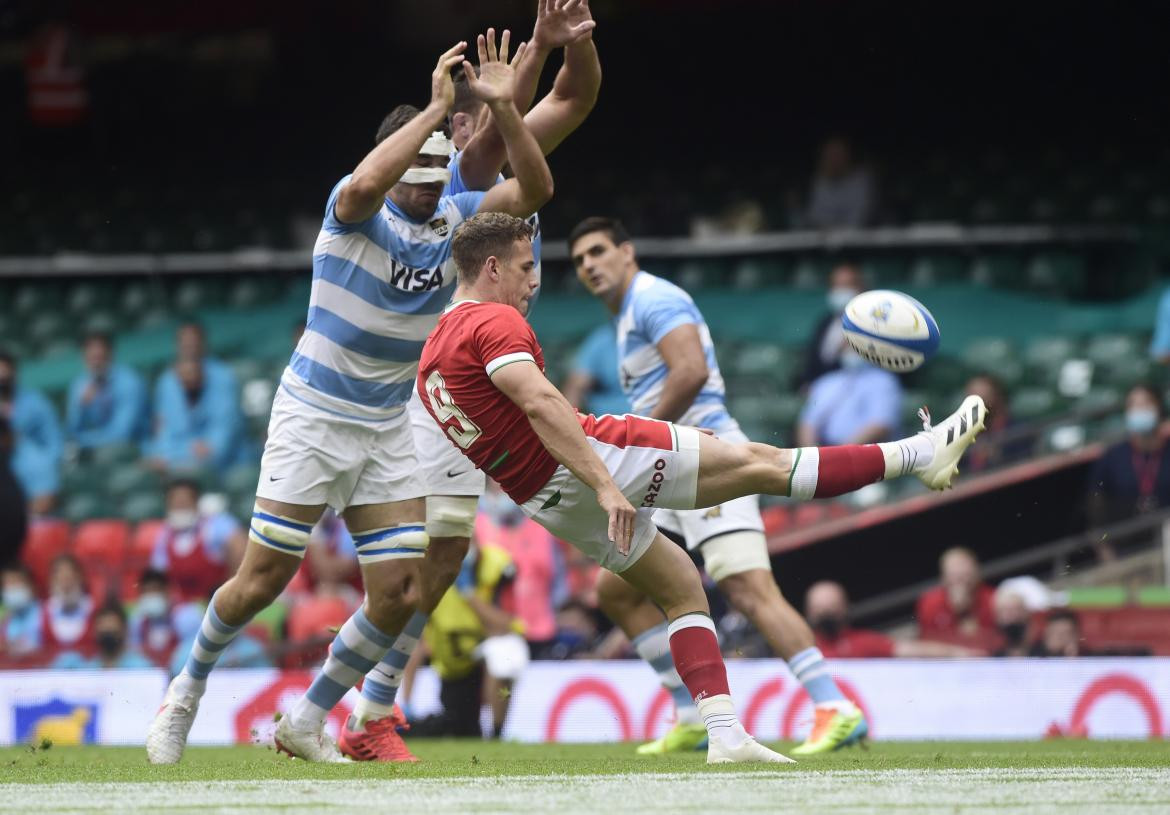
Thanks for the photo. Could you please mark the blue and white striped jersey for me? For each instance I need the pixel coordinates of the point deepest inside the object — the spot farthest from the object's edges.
(378, 289)
(651, 309)
(456, 185)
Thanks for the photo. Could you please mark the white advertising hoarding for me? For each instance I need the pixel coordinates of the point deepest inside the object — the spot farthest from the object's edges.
(621, 700)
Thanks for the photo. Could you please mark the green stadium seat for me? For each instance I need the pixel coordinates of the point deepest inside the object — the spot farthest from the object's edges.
(48, 326)
(112, 455)
(85, 506)
(887, 272)
(1033, 403)
(1154, 596)
(755, 273)
(131, 479)
(1101, 398)
(1124, 372)
(811, 273)
(241, 481)
(1097, 596)
(934, 270)
(249, 292)
(997, 270)
(996, 355)
(104, 320)
(1104, 349)
(86, 297)
(247, 368)
(1049, 353)
(143, 506)
(34, 298)
(194, 294)
(1057, 272)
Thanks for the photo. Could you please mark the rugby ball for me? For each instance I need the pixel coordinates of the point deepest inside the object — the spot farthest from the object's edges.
(890, 329)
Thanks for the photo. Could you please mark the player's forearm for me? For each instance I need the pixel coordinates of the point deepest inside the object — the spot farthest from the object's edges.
(678, 394)
(524, 156)
(555, 423)
(528, 76)
(579, 79)
(384, 165)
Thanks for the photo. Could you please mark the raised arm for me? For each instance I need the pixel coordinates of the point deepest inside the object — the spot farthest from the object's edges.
(555, 423)
(381, 169)
(532, 185)
(686, 372)
(559, 23)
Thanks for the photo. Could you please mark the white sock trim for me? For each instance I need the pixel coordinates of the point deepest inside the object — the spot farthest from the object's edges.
(805, 471)
(691, 620)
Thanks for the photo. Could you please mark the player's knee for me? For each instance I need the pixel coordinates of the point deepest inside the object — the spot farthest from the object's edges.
(441, 568)
(451, 516)
(614, 595)
(396, 591)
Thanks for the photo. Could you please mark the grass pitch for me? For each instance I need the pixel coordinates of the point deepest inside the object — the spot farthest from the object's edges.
(473, 776)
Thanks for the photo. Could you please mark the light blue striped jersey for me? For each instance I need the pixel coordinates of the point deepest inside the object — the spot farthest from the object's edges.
(457, 185)
(651, 309)
(378, 289)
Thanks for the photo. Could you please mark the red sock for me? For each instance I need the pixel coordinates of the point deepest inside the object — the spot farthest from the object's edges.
(695, 650)
(849, 468)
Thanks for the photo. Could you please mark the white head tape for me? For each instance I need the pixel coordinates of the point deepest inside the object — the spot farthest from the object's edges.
(437, 145)
(426, 175)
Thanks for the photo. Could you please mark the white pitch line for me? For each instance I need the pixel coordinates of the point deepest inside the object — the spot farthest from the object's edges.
(1004, 791)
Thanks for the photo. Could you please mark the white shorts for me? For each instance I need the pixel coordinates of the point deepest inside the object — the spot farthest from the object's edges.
(315, 457)
(443, 467)
(698, 527)
(655, 464)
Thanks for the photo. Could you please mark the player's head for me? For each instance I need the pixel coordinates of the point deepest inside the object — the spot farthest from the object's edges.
(493, 255)
(109, 629)
(1062, 633)
(464, 112)
(604, 258)
(418, 191)
(97, 350)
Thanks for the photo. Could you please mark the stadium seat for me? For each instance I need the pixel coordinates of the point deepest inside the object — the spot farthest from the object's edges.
(85, 506)
(310, 625)
(46, 539)
(1105, 349)
(142, 541)
(1032, 403)
(102, 546)
(143, 506)
(111, 455)
(934, 270)
(131, 479)
(1045, 355)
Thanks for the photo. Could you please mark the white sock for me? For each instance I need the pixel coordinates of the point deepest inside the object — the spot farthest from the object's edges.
(907, 456)
(187, 685)
(366, 710)
(653, 646)
(718, 714)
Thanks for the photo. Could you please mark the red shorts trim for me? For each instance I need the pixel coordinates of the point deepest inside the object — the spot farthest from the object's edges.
(630, 431)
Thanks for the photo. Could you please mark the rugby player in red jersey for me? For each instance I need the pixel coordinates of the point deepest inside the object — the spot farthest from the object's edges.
(481, 377)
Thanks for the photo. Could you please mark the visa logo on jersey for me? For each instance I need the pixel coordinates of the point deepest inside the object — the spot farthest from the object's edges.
(407, 278)
(56, 721)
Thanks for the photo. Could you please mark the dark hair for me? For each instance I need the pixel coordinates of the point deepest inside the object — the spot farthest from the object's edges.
(185, 482)
(19, 568)
(596, 223)
(8, 357)
(465, 101)
(98, 335)
(1153, 393)
(71, 559)
(395, 120)
(1059, 614)
(112, 606)
(153, 576)
(488, 234)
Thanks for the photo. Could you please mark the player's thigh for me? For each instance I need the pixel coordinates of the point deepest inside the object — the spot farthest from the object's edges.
(729, 470)
(667, 576)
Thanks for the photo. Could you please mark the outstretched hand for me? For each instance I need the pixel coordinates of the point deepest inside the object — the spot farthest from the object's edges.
(497, 77)
(442, 86)
(561, 22)
(621, 517)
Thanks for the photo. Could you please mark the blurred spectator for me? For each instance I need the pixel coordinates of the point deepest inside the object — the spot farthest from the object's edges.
(332, 558)
(1132, 476)
(13, 507)
(1160, 344)
(475, 647)
(152, 630)
(107, 403)
(826, 606)
(593, 386)
(1061, 637)
(961, 608)
(824, 352)
(38, 443)
(245, 651)
(112, 649)
(68, 613)
(858, 404)
(1012, 619)
(991, 452)
(538, 586)
(843, 193)
(196, 552)
(197, 417)
(21, 624)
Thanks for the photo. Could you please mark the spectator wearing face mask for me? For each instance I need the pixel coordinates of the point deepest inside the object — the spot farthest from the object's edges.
(21, 626)
(1061, 636)
(197, 552)
(1133, 476)
(37, 443)
(1012, 619)
(152, 632)
(857, 404)
(538, 586)
(112, 651)
(67, 616)
(107, 403)
(960, 609)
(824, 352)
(197, 419)
(826, 607)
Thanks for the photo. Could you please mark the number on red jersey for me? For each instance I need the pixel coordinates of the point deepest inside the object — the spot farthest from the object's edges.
(461, 429)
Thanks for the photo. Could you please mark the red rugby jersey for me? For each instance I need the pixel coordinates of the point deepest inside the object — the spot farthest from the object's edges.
(472, 341)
